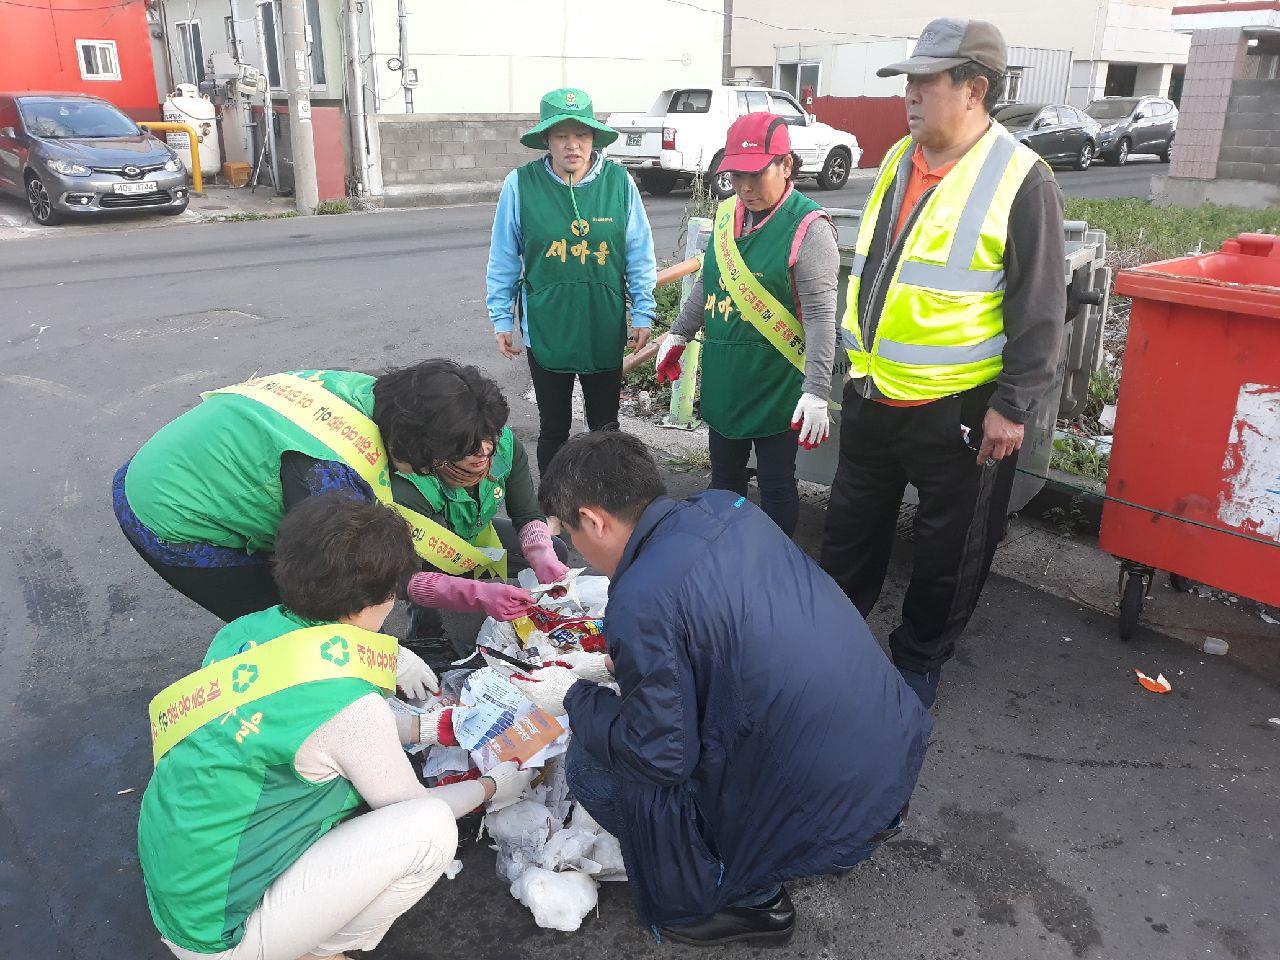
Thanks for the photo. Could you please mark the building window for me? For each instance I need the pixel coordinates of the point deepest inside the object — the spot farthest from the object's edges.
(271, 28)
(192, 50)
(271, 31)
(315, 47)
(98, 59)
(1013, 85)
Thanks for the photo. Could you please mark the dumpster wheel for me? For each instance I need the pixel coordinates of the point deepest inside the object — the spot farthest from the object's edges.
(1134, 582)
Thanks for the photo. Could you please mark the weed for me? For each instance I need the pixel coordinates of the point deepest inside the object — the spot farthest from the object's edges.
(1066, 521)
(1140, 232)
(246, 217)
(1072, 454)
(688, 460)
(327, 208)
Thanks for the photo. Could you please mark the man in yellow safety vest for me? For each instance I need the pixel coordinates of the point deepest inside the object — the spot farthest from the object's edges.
(953, 325)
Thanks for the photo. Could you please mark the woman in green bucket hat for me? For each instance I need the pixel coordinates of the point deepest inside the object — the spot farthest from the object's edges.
(571, 246)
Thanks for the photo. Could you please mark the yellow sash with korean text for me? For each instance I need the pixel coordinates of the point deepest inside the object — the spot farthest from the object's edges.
(758, 306)
(357, 442)
(327, 652)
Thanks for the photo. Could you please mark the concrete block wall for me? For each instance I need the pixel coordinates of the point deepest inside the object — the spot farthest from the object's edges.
(1215, 60)
(1251, 135)
(448, 158)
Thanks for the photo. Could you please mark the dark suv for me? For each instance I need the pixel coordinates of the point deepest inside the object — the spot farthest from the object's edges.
(1134, 125)
(70, 155)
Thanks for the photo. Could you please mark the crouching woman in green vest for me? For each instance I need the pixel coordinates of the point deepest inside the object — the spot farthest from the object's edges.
(246, 836)
(766, 304)
(201, 500)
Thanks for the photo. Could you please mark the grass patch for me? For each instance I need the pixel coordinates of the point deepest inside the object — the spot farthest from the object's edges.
(689, 460)
(1077, 455)
(245, 217)
(329, 208)
(1142, 232)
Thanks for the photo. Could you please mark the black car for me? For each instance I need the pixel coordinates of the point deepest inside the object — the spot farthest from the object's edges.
(70, 155)
(1134, 125)
(1059, 133)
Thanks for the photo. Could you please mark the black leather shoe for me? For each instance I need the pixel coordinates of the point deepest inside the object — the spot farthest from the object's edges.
(769, 924)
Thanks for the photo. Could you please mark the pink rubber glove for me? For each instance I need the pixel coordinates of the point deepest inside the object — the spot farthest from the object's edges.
(540, 551)
(491, 597)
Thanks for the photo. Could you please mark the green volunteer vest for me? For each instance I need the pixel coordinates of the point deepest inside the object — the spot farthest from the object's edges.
(941, 330)
(213, 474)
(226, 813)
(749, 389)
(574, 280)
(465, 514)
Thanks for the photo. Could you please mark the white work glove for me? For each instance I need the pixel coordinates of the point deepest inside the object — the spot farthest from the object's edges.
(593, 667)
(546, 688)
(810, 418)
(435, 727)
(414, 677)
(668, 364)
(509, 784)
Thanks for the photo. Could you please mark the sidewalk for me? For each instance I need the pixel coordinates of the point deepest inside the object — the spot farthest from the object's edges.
(216, 203)
(1070, 567)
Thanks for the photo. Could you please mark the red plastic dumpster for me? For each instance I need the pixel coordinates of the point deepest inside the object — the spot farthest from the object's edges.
(1197, 433)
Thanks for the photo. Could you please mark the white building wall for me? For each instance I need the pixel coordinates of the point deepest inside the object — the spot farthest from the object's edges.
(503, 57)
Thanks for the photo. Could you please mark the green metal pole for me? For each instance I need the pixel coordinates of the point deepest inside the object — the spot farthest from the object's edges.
(685, 389)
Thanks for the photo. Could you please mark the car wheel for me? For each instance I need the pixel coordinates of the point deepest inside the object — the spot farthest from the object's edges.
(720, 184)
(1163, 155)
(656, 184)
(1122, 153)
(1085, 157)
(835, 172)
(41, 203)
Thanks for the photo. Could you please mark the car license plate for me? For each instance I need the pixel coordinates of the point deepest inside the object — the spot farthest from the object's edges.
(634, 139)
(146, 186)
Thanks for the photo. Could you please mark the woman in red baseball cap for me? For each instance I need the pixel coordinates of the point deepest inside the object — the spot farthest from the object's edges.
(766, 304)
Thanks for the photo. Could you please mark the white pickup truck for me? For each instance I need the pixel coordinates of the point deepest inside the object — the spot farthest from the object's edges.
(682, 137)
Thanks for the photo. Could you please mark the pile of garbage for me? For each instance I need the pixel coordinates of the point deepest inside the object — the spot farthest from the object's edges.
(549, 849)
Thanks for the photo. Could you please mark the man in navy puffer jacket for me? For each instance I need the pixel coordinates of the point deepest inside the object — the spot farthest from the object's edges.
(761, 734)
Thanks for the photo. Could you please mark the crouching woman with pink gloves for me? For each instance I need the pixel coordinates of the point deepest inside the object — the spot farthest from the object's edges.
(478, 468)
(766, 306)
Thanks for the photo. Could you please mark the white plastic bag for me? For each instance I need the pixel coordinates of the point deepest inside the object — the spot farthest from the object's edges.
(558, 901)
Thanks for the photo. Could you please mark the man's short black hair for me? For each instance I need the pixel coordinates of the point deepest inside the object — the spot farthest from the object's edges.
(336, 555)
(995, 81)
(435, 411)
(604, 468)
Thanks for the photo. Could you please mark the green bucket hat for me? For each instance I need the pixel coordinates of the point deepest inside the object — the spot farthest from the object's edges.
(567, 104)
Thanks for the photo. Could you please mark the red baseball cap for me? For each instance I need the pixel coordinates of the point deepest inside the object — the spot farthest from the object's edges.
(755, 141)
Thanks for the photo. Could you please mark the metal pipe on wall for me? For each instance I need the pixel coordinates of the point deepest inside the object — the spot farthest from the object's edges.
(268, 109)
(355, 102)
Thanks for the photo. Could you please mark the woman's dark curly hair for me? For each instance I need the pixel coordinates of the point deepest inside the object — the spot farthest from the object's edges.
(336, 555)
(437, 410)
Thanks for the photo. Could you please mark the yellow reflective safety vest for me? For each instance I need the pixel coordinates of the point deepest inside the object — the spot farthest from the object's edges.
(941, 328)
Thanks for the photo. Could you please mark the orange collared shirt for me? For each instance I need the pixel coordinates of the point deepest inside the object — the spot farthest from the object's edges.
(921, 179)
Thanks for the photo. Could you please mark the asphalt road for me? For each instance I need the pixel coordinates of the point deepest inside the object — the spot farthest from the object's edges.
(1062, 811)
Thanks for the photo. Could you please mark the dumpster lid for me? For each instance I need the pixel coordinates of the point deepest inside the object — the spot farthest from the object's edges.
(1242, 277)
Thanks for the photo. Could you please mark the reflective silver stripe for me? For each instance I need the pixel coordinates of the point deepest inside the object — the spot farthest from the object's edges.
(957, 274)
(922, 354)
(954, 279)
(859, 261)
(849, 340)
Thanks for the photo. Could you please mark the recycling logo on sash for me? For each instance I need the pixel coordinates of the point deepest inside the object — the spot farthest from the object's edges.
(243, 677)
(328, 648)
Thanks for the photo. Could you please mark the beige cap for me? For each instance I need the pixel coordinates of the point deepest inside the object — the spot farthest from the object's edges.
(948, 42)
